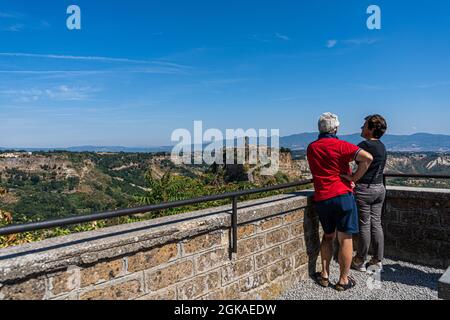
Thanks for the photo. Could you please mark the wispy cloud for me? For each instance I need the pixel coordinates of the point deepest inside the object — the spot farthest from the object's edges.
(219, 82)
(433, 84)
(139, 66)
(377, 87)
(370, 87)
(282, 37)
(59, 93)
(67, 93)
(69, 73)
(155, 70)
(360, 41)
(70, 57)
(331, 43)
(269, 37)
(25, 95)
(15, 24)
(351, 42)
(55, 72)
(14, 28)
(286, 99)
(92, 58)
(10, 15)
(259, 38)
(44, 24)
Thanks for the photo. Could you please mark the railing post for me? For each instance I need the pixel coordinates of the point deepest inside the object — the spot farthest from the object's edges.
(234, 225)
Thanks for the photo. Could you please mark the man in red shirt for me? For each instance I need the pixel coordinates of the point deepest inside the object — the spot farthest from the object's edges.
(329, 159)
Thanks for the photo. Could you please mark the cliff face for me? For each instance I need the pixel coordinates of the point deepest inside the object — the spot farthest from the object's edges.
(39, 164)
(295, 169)
(292, 169)
(425, 163)
(443, 161)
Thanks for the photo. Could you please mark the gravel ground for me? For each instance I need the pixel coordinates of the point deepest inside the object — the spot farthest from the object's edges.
(400, 281)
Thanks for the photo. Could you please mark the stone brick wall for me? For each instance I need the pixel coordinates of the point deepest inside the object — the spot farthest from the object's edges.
(417, 225)
(181, 257)
(188, 256)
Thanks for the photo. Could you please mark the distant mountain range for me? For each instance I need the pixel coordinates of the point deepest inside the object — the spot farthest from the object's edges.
(109, 149)
(417, 142)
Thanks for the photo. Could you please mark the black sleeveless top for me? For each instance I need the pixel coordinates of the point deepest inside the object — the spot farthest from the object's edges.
(375, 173)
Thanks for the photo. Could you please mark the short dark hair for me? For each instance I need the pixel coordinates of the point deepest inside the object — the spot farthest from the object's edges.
(378, 124)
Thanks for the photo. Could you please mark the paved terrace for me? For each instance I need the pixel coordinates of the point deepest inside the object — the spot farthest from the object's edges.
(400, 281)
(188, 256)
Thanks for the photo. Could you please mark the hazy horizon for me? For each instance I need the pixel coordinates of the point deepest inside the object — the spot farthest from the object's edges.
(137, 70)
(173, 144)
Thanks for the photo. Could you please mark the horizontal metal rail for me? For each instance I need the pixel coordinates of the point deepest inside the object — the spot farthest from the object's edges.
(417, 176)
(234, 196)
(409, 176)
(413, 176)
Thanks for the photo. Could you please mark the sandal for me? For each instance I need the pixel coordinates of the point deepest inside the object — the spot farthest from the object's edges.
(344, 287)
(321, 281)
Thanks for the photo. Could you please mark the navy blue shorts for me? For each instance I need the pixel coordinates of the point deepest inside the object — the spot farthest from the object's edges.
(339, 213)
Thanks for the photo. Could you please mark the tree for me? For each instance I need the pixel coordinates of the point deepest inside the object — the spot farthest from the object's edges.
(170, 188)
(35, 179)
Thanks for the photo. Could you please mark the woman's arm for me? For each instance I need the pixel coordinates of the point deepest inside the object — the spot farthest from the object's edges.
(364, 160)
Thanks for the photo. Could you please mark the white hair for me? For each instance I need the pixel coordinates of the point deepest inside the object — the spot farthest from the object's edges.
(328, 123)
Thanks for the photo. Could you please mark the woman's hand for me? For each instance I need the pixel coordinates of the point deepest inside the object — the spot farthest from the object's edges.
(349, 178)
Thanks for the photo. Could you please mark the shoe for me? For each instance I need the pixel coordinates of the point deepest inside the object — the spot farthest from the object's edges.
(344, 287)
(375, 266)
(323, 282)
(359, 265)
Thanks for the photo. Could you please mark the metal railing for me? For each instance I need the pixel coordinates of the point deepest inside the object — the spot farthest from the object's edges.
(234, 196)
(418, 176)
(409, 176)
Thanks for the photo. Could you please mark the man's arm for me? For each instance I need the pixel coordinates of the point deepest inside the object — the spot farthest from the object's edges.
(364, 160)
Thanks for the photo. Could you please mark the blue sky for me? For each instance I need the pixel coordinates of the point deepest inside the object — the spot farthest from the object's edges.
(140, 69)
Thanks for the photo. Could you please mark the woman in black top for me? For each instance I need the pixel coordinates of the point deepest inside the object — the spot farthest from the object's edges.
(370, 196)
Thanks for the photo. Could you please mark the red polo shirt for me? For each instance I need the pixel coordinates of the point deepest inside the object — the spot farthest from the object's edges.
(328, 159)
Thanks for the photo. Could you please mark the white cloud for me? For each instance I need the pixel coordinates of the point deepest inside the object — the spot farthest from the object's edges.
(220, 82)
(45, 24)
(62, 73)
(9, 15)
(371, 86)
(85, 58)
(66, 93)
(69, 57)
(75, 73)
(331, 43)
(259, 38)
(26, 95)
(433, 84)
(360, 41)
(14, 28)
(286, 99)
(146, 66)
(352, 42)
(269, 37)
(60, 93)
(282, 37)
